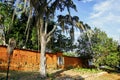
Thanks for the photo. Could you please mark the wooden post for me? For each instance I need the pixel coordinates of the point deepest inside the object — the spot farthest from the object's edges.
(10, 48)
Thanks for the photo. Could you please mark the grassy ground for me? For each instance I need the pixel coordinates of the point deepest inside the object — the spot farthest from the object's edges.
(67, 74)
(18, 75)
(86, 71)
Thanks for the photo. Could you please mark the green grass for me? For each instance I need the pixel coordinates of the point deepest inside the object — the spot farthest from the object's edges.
(19, 75)
(85, 70)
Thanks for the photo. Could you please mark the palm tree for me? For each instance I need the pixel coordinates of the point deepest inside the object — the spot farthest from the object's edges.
(43, 11)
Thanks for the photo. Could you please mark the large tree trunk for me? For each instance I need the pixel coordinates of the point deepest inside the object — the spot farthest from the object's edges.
(43, 57)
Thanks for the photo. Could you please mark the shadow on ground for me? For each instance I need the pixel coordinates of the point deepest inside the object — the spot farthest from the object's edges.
(110, 70)
(59, 76)
(18, 75)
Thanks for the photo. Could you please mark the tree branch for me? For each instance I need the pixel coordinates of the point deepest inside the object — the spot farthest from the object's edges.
(48, 39)
(51, 31)
(13, 16)
(28, 21)
(49, 1)
(46, 24)
(40, 25)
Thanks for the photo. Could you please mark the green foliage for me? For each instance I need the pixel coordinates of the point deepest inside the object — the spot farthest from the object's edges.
(85, 70)
(84, 46)
(60, 43)
(112, 59)
(6, 13)
(1, 42)
(34, 39)
(18, 32)
(72, 54)
(17, 28)
(102, 49)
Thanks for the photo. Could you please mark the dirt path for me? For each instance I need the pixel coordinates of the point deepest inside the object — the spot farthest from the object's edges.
(107, 76)
(72, 75)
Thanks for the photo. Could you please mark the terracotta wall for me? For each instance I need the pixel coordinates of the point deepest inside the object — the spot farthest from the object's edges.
(27, 60)
(72, 62)
(3, 58)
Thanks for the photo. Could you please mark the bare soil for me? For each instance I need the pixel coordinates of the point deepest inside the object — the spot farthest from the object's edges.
(73, 75)
(61, 75)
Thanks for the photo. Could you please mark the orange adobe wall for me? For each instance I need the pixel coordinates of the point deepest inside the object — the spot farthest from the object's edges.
(27, 60)
(3, 58)
(72, 62)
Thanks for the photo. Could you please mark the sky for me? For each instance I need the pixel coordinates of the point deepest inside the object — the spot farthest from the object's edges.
(104, 14)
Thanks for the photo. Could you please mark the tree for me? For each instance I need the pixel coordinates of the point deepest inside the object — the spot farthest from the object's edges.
(112, 59)
(16, 28)
(42, 11)
(84, 46)
(84, 50)
(98, 47)
(103, 47)
(60, 42)
(5, 19)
